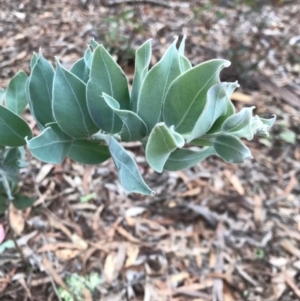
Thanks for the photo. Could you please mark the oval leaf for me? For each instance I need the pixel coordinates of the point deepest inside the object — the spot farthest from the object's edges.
(15, 98)
(155, 86)
(186, 96)
(106, 77)
(142, 61)
(81, 70)
(216, 106)
(185, 64)
(231, 149)
(186, 158)
(239, 121)
(161, 143)
(217, 126)
(69, 105)
(40, 91)
(88, 152)
(51, 146)
(13, 129)
(133, 127)
(128, 171)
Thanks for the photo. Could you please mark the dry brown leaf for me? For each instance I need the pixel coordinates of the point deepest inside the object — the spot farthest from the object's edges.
(292, 183)
(258, 214)
(127, 235)
(114, 263)
(191, 192)
(96, 217)
(44, 171)
(16, 219)
(86, 179)
(278, 285)
(238, 96)
(235, 182)
(212, 260)
(185, 179)
(132, 254)
(40, 281)
(199, 260)
(79, 242)
(55, 246)
(24, 285)
(67, 254)
(292, 285)
(290, 248)
(109, 270)
(175, 278)
(21, 55)
(86, 295)
(227, 295)
(53, 273)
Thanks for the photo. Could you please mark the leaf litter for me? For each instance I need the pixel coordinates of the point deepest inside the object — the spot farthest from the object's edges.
(213, 232)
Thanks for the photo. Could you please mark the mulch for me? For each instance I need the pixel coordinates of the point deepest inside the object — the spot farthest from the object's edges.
(212, 232)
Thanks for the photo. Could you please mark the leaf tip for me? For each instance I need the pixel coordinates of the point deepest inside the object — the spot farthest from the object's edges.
(152, 193)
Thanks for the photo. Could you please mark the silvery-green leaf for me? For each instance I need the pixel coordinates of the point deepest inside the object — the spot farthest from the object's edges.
(33, 60)
(88, 152)
(93, 43)
(81, 70)
(217, 126)
(106, 77)
(243, 124)
(185, 64)
(2, 96)
(88, 57)
(128, 171)
(216, 106)
(142, 61)
(203, 141)
(69, 105)
(133, 127)
(268, 121)
(155, 86)
(15, 98)
(39, 91)
(186, 96)
(10, 164)
(51, 146)
(186, 158)
(182, 45)
(258, 126)
(13, 129)
(231, 149)
(238, 121)
(161, 143)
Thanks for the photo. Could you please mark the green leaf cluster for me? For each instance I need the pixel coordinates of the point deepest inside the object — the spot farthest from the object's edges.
(13, 133)
(85, 113)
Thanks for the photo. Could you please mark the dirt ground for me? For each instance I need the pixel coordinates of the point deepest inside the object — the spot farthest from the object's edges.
(213, 232)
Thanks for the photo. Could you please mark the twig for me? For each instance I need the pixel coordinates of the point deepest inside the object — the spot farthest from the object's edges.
(134, 2)
(292, 285)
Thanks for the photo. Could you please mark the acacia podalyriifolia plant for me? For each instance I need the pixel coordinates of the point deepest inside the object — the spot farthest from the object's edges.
(86, 112)
(13, 129)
